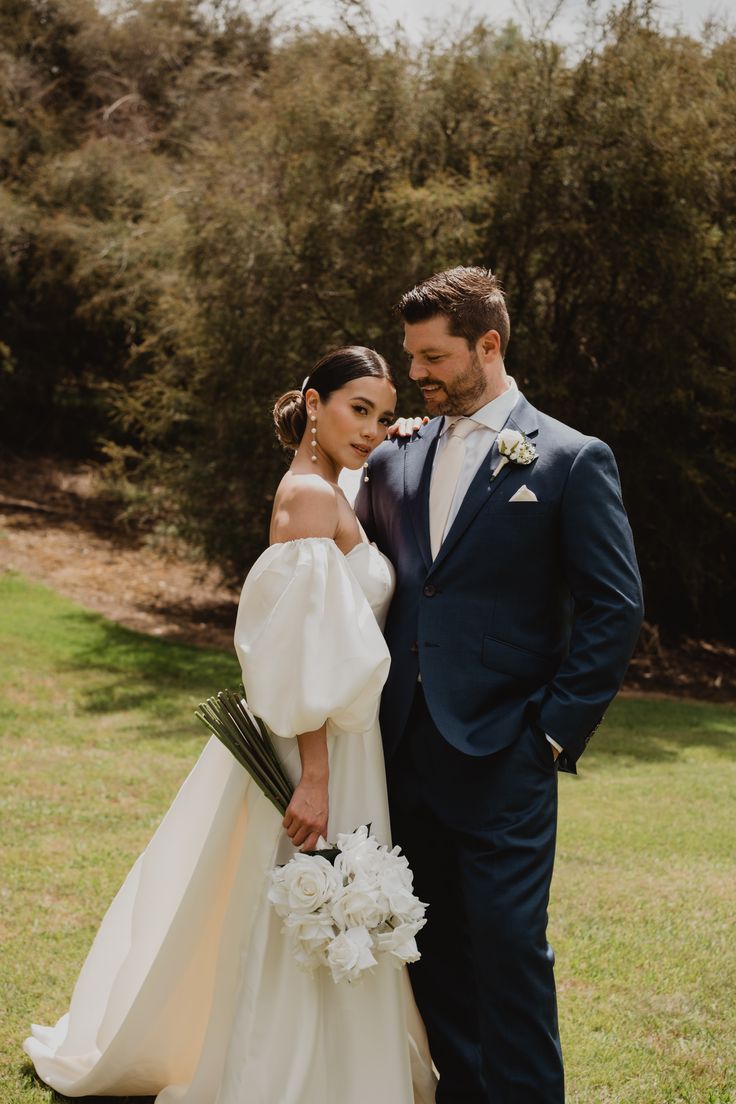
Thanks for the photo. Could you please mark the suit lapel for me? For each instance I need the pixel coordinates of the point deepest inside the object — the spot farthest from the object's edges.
(418, 457)
(524, 418)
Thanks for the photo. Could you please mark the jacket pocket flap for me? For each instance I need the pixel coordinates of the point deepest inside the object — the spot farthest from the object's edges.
(510, 659)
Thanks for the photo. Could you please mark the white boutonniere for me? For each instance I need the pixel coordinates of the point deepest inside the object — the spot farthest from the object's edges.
(515, 448)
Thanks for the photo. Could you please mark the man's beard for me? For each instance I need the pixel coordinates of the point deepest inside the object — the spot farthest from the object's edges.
(463, 395)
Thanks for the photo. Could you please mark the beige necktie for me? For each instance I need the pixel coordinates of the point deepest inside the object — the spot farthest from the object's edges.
(444, 480)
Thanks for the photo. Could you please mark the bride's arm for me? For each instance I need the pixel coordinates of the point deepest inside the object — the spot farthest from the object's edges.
(310, 510)
(307, 816)
(307, 507)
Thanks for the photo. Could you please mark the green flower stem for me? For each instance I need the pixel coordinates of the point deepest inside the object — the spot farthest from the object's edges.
(259, 741)
(262, 783)
(247, 738)
(241, 720)
(262, 733)
(241, 752)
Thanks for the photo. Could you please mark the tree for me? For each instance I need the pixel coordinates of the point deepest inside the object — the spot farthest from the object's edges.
(197, 204)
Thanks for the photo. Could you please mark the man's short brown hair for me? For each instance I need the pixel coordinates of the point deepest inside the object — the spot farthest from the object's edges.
(471, 299)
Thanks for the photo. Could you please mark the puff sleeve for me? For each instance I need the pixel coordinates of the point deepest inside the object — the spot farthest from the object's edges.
(309, 646)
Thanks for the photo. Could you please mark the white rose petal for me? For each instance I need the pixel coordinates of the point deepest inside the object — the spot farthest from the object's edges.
(360, 904)
(361, 855)
(515, 447)
(395, 937)
(397, 858)
(309, 881)
(359, 862)
(394, 876)
(357, 848)
(406, 952)
(311, 928)
(396, 885)
(406, 908)
(350, 954)
(348, 841)
(400, 942)
(508, 439)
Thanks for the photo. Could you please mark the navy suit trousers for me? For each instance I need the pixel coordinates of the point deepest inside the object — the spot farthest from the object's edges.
(479, 833)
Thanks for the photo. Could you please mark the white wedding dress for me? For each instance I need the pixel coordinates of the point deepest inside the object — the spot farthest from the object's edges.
(189, 991)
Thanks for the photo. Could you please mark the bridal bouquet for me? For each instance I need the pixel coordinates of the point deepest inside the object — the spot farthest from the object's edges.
(343, 907)
(347, 906)
(249, 740)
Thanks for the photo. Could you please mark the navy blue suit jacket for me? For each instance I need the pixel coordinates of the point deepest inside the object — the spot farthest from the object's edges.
(531, 610)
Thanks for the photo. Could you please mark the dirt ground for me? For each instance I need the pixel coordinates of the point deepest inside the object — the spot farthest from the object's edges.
(57, 528)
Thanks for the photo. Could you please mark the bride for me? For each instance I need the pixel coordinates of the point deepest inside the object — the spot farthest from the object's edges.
(189, 991)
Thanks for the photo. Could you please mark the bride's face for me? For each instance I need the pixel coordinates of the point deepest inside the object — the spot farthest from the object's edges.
(351, 422)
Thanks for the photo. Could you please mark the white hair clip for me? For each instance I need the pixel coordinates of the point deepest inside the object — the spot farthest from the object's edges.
(304, 385)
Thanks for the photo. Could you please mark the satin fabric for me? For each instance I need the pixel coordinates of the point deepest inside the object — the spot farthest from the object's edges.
(189, 991)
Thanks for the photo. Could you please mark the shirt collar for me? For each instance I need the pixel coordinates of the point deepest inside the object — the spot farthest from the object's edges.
(494, 414)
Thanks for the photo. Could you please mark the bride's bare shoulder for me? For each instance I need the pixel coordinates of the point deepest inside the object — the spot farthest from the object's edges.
(304, 506)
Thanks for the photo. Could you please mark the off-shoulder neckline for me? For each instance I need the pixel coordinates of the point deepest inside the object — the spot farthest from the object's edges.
(329, 540)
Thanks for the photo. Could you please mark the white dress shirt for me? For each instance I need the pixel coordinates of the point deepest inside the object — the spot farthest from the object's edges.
(491, 419)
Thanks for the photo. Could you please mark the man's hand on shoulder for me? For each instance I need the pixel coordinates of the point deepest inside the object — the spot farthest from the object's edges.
(406, 427)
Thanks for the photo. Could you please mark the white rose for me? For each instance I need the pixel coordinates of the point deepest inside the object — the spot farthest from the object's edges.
(349, 954)
(396, 869)
(348, 841)
(313, 929)
(405, 907)
(360, 904)
(309, 881)
(397, 858)
(514, 448)
(359, 862)
(401, 942)
(508, 440)
(406, 952)
(396, 885)
(358, 842)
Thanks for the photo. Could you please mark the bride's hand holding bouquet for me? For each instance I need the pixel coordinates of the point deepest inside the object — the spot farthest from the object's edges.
(305, 819)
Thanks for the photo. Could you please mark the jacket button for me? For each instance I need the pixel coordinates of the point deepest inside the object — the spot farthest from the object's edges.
(414, 648)
(430, 590)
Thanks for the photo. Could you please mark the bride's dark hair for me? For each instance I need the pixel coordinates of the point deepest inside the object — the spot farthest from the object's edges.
(329, 374)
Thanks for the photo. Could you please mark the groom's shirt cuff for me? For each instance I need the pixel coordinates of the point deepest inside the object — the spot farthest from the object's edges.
(554, 743)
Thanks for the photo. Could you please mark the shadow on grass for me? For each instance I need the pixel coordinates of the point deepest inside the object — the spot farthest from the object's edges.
(117, 669)
(132, 670)
(655, 730)
(129, 670)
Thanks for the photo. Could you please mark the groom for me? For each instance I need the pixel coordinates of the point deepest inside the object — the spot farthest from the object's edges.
(517, 607)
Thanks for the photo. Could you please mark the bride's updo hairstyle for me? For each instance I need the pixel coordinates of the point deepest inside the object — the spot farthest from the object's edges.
(329, 374)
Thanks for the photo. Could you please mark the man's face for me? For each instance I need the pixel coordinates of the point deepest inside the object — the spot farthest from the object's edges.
(448, 373)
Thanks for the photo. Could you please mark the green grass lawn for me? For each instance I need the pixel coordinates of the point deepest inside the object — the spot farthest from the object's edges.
(98, 733)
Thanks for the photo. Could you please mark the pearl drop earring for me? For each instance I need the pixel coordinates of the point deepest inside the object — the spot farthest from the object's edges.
(366, 477)
(314, 438)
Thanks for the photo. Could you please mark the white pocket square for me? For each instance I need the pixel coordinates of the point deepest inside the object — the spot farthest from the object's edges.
(524, 495)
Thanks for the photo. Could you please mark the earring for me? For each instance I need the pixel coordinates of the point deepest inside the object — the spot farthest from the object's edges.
(314, 438)
(366, 477)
